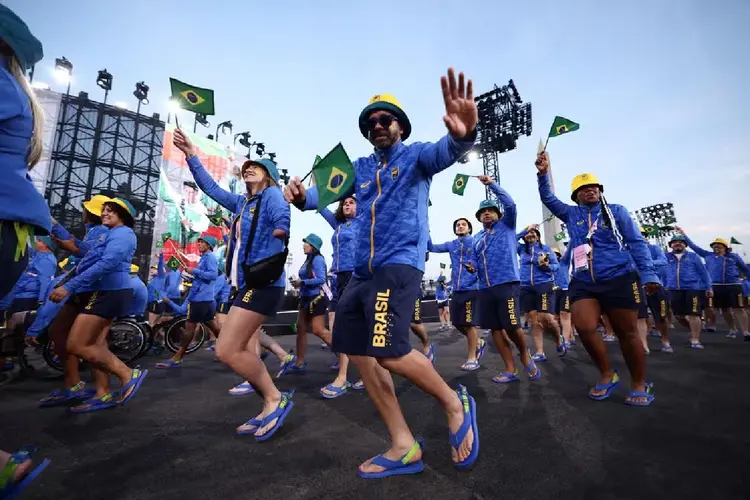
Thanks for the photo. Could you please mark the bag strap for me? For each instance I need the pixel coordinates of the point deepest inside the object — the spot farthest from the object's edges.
(253, 227)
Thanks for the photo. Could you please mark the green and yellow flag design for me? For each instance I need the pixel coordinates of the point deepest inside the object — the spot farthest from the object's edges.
(562, 126)
(459, 184)
(191, 98)
(173, 263)
(334, 176)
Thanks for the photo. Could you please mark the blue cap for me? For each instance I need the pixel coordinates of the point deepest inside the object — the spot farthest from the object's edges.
(489, 204)
(210, 240)
(26, 47)
(677, 237)
(268, 165)
(441, 278)
(314, 240)
(48, 241)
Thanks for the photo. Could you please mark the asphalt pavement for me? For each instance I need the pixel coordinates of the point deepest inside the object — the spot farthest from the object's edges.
(539, 440)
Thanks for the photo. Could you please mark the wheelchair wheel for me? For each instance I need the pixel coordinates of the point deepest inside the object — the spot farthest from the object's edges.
(173, 336)
(50, 356)
(149, 343)
(126, 340)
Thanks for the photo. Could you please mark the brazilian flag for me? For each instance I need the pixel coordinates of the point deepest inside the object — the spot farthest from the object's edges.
(192, 98)
(459, 184)
(334, 176)
(173, 263)
(562, 126)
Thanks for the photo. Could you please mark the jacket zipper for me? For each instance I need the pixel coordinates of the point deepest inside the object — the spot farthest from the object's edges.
(533, 251)
(591, 253)
(372, 213)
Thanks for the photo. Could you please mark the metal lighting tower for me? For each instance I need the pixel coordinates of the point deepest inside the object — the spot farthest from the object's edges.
(657, 221)
(503, 118)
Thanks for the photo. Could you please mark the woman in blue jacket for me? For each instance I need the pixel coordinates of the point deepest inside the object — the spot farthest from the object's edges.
(343, 223)
(605, 243)
(251, 307)
(200, 305)
(99, 292)
(23, 211)
(562, 301)
(538, 264)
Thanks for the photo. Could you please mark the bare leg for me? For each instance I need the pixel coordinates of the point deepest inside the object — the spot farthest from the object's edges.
(585, 314)
(83, 342)
(421, 332)
(625, 324)
(566, 326)
(642, 327)
(301, 337)
(729, 318)
(187, 337)
(472, 340)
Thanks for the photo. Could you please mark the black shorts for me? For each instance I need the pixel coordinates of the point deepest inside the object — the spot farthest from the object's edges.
(657, 303)
(316, 305)
(107, 304)
(538, 298)
(442, 304)
(687, 302)
(20, 305)
(623, 292)
(157, 307)
(265, 301)
(416, 315)
(342, 279)
(201, 312)
(463, 308)
(178, 301)
(223, 307)
(562, 301)
(373, 315)
(498, 307)
(728, 297)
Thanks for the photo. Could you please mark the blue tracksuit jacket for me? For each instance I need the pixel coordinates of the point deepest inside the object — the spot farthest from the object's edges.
(106, 266)
(392, 189)
(311, 283)
(495, 248)
(606, 259)
(35, 281)
(687, 272)
(274, 214)
(204, 276)
(562, 273)
(723, 269)
(461, 251)
(47, 312)
(95, 234)
(342, 241)
(137, 306)
(531, 272)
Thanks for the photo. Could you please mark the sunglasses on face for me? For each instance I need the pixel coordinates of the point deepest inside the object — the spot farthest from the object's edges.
(384, 121)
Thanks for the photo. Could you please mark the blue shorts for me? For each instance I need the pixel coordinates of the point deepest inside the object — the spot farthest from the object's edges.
(562, 301)
(223, 307)
(416, 315)
(687, 302)
(657, 303)
(342, 279)
(498, 307)
(463, 308)
(201, 312)
(157, 307)
(315, 305)
(107, 304)
(622, 292)
(539, 298)
(373, 315)
(265, 301)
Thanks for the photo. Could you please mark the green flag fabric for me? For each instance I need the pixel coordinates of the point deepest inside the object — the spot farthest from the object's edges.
(733, 241)
(334, 176)
(459, 184)
(560, 236)
(650, 229)
(173, 263)
(191, 98)
(562, 126)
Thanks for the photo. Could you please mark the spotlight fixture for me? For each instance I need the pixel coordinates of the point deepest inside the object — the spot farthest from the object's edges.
(63, 69)
(104, 80)
(272, 157)
(244, 139)
(260, 148)
(223, 126)
(201, 118)
(141, 93)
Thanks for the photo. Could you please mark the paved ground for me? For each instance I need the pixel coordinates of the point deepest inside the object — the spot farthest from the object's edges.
(540, 440)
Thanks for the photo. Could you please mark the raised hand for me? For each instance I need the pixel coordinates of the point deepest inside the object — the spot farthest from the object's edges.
(460, 109)
(183, 143)
(294, 191)
(485, 179)
(542, 163)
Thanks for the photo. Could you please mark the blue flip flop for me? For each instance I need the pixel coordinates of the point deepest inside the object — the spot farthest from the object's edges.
(10, 489)
(358, 385)
(242, 389)
(254, 423)
(470, 366)
(648, 394)
(337, 391)
(431, 354)
(509, 377)
(398, 467)
(135, 383)
(280, 413)
(165, 365)
(481, 347)
(609, 387)
(530, 369)
(470, 422)
(94, 404)
(66, 396)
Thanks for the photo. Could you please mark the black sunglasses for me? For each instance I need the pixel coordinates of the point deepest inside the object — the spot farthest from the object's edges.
(384, 120)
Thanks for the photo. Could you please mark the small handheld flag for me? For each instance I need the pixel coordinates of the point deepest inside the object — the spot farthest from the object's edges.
(192, 98)
(559, 127)
(733, 241)
(334, 176)
(459, 184)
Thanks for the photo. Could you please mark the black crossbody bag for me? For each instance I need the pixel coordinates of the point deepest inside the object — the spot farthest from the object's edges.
(266, 271)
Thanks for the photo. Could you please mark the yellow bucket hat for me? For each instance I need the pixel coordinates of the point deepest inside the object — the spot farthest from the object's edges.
(385, 102)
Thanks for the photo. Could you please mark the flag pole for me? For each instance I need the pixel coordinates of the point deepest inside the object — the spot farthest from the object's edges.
(176, 121)
(545, 144)
(195, 122)
(306, 176)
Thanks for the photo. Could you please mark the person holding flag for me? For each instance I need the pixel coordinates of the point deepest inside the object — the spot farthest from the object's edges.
(258, 236)
(562, 300)
(374, 312)
(725, 268)
(463, 307)
(606, 243)
(689, 282)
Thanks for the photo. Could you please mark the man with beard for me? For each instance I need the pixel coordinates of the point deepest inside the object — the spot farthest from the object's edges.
(688, 281)
(374, 312)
